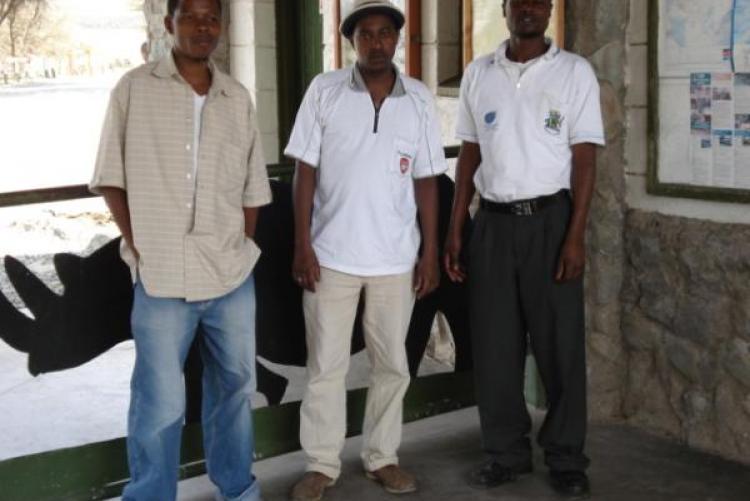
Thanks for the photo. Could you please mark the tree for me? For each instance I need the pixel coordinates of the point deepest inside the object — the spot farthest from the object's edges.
(23, 23)
(7, 7)
(24, 26)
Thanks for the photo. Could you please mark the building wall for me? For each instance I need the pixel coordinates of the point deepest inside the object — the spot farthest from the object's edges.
(686, 296)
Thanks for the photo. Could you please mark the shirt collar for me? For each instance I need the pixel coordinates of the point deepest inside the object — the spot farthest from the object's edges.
(357, 82)
(167, 68)
(501, 58)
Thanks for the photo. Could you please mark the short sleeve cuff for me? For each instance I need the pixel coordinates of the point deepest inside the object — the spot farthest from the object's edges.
(257, 199)
(598, 140)
(310, 159)
(464, 136)
(439, 168)
(105, 182)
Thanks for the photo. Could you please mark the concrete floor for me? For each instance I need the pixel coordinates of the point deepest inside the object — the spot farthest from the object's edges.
(627, 465)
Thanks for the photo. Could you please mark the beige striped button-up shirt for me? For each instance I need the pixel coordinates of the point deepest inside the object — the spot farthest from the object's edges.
(189, 232)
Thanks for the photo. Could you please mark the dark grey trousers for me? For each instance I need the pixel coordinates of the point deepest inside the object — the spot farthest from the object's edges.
(513, 294)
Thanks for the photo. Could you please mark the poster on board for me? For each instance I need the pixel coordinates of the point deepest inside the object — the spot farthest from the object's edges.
(720, 129)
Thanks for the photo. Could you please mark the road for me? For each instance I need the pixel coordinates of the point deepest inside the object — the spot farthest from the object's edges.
(49, 131)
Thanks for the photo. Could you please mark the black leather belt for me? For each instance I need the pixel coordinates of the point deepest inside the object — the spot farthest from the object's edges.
(523, 207)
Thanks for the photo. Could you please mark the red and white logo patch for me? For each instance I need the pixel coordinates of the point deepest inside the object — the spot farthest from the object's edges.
(404, 165)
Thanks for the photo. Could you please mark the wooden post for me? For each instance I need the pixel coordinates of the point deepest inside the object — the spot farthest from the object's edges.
(413, 38)
(336, 34)
(467, 13)
(560, 23)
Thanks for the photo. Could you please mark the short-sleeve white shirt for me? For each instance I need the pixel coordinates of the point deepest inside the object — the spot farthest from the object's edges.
(525, 118)
(364, 219)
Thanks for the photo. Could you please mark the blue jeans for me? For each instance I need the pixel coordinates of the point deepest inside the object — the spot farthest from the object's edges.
(163, 329)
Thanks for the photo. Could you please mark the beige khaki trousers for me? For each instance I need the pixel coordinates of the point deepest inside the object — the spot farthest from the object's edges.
(329, 319)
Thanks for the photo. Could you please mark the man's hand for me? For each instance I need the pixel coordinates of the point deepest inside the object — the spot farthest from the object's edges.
(135, 253)
(572, 260)
(305, 267)
(573, 253)
(469, 158)
(451, 260)
(426, 275)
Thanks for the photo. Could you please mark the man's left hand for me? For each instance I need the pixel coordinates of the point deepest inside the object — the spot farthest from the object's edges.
(426, 275)
(572, 260)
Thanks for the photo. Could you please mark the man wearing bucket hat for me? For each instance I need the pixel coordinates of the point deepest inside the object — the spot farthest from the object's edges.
(367, 145)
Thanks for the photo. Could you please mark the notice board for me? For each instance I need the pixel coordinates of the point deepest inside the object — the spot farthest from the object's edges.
(699, 103)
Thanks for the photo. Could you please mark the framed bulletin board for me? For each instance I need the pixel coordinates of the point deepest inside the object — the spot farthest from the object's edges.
(699, 99)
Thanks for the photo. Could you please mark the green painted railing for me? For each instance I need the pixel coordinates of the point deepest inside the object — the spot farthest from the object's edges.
(99, 470)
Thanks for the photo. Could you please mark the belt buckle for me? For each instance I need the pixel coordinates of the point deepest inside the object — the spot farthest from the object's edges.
(525, 208)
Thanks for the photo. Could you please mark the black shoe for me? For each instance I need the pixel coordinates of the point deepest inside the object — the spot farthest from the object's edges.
(492, 474)
(570, 484)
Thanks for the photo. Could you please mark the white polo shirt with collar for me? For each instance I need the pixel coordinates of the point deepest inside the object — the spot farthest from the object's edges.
(526, 117)
(364, 219)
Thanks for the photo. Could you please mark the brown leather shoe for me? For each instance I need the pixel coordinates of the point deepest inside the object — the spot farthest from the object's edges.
(394, 479)
(311, 486)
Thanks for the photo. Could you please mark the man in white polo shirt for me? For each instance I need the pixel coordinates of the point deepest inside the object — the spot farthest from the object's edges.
(529, 118)
(367, 145)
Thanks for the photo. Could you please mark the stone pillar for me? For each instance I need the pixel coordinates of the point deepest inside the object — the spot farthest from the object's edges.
(159, 41)
(595, 29)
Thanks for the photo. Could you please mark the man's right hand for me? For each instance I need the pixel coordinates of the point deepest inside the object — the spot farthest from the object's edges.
(305, 267)
(135, 252)
(451, 260)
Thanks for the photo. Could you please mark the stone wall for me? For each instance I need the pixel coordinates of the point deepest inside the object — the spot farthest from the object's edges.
(596, 30)
(686, 326)
(685, 302)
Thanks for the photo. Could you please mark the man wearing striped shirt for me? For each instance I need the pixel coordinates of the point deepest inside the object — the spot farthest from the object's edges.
(181, 168)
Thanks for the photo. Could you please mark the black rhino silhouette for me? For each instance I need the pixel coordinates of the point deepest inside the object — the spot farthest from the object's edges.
(93, 313)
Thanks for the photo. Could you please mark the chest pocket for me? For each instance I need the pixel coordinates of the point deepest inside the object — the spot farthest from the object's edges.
(402, 162)
(400, 173)
(552, 119)
(231, 177)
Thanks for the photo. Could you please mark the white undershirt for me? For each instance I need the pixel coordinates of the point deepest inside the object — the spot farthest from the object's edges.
(198, 102)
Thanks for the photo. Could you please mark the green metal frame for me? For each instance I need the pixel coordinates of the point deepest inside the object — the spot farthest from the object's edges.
(98, 471)
(653, 185)
(299, 46)
(79, 191)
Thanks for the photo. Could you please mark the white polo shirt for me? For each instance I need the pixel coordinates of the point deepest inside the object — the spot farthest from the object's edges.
(364, 219)
(525, 117)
